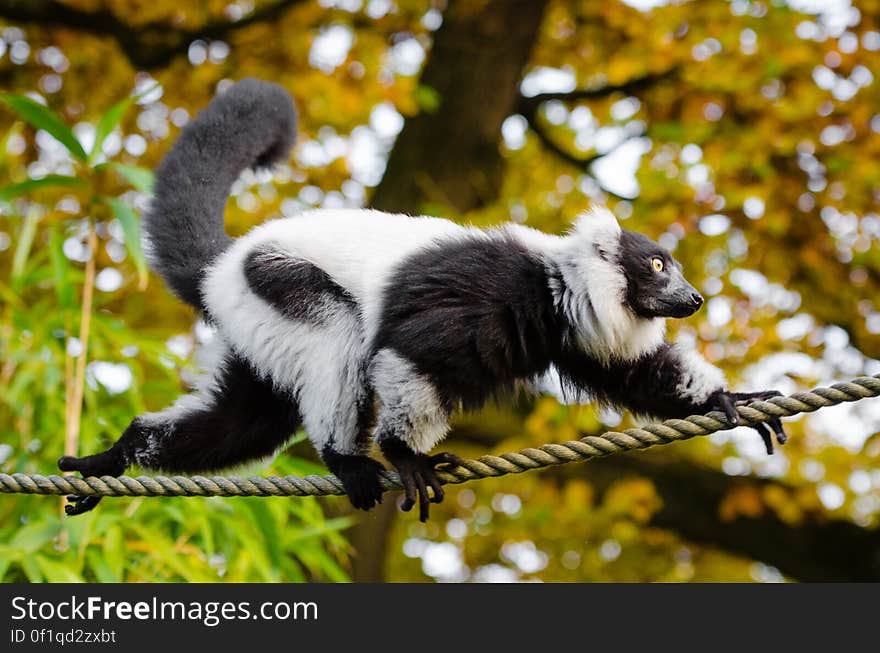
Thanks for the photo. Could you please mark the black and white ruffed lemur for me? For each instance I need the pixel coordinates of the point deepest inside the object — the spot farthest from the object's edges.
(355, 322)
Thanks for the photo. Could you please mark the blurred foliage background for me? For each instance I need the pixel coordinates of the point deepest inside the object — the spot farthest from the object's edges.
(743, 135)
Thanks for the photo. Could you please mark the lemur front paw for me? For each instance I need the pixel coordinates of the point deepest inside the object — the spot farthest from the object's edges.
(727, 402)
(107, 463)
(361, 476)
(417, 472)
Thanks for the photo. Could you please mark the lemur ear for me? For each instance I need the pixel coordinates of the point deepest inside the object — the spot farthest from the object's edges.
(599, 226)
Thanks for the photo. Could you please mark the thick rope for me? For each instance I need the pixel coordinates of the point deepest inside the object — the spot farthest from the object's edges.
(591, 446)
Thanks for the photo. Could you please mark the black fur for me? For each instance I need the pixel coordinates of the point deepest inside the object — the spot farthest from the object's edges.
(647, 386)
(246, 419)
(473, 316)
(417, 472)
(298, 289)
(360, 476)
(650, 293)
(251, 124)
(651, 387)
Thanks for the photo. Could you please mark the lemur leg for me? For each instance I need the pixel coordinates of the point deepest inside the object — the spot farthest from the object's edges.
(411, 420)
(338, 416)
(235, 418)
(294, 320)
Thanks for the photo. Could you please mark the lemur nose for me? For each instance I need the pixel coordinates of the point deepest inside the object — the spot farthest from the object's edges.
(697, 299)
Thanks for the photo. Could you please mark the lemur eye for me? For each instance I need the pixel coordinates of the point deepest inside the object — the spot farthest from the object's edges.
(657, 264)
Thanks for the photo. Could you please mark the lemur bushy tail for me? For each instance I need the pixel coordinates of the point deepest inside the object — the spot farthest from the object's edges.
(252, 124)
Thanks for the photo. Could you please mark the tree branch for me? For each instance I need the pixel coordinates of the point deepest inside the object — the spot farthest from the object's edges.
(528, 108)
(815, 548)
(528, 105)
(582, 163)
(148, 46)
(554, 147)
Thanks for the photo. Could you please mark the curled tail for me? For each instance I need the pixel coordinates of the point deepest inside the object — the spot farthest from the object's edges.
(251, 124)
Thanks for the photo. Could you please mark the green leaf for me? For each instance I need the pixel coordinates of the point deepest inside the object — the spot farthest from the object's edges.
(7, 557)
(31, 570)
(111, 118)
(60, 268)
(113, 551)
(99, 566)
(268, 528)
(49, 181)
(318, 560)
(128, 220)
(56, 572)
(23, 248)
(36, 115)
(428, 98)
(14, 131)
(140, 178)
(34, 536)
(108, 123)
(164, 552)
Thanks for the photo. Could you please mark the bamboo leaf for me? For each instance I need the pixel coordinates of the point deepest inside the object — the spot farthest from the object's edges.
(13, 131)
(31, 569)
(34, 536)
(111, 118)
(40, 117)
(99, 566)
(23, 248)
(108, 123)
(317, 559)
(140, 178)
(60, 268)
(128, 220)
(7, 557)
(165, 553)
(55, 572)
(12, 191)
(113, 551)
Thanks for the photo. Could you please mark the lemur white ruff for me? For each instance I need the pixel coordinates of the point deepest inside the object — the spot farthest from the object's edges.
(352, 322)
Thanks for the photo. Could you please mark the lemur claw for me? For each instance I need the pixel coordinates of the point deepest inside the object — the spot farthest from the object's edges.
(418, 472)
(79, 504)
(102, 464)
(361, 477)
(727, 403)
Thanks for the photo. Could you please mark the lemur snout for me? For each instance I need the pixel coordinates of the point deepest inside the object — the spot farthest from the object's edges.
(697, 299)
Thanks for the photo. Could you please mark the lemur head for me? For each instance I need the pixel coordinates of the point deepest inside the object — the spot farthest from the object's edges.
(651, 280)
(619, 286)
(655, 286)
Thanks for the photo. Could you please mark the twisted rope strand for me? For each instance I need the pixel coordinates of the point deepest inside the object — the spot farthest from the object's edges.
(591, 446)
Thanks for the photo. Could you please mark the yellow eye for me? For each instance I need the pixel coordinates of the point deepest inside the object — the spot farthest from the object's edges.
(657, 264)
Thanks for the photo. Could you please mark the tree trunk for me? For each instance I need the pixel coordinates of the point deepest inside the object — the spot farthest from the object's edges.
(448, 154)
(815, 548)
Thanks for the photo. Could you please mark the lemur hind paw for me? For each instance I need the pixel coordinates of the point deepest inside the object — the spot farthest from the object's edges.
(361, 477)
(106, 463)
(418, 472)
(727, 402)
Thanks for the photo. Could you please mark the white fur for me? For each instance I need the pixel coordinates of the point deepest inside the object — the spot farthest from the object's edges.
(699, 378)
(593, 292)
(321, 366)
(408, 406)
(358, 248)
